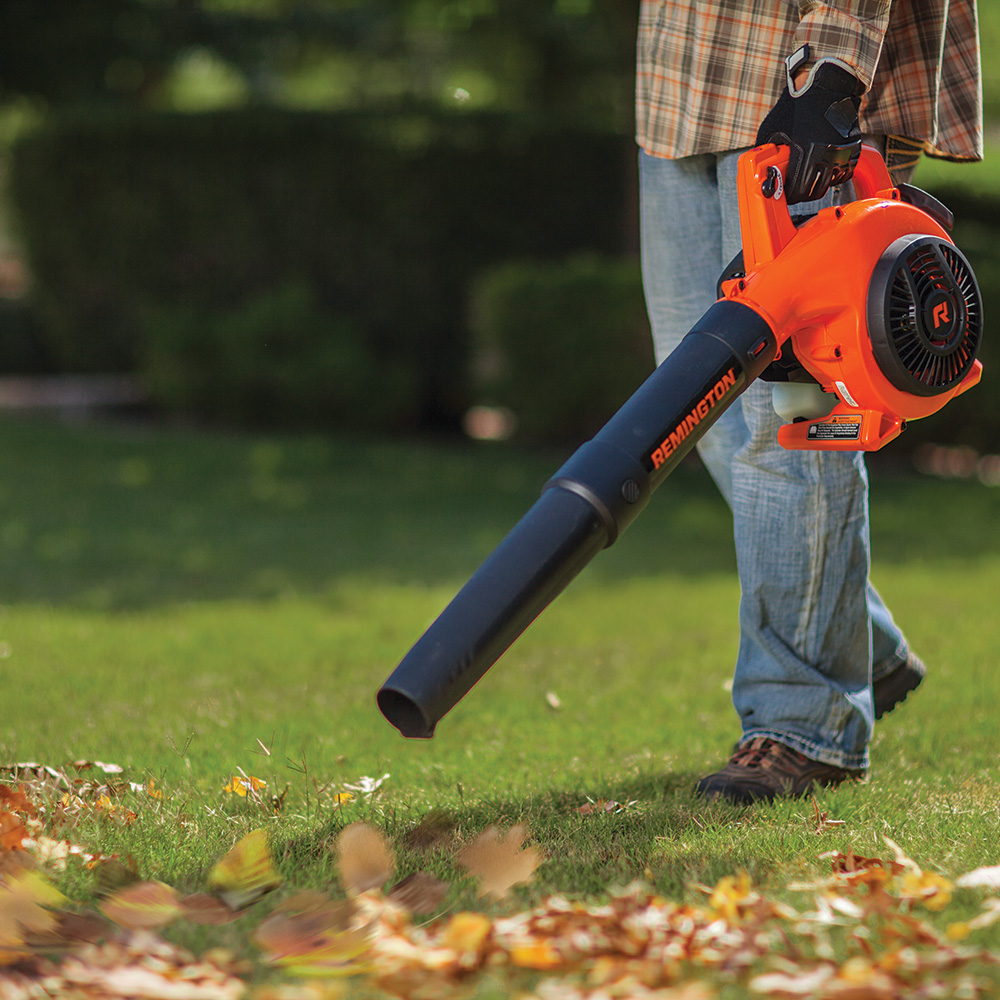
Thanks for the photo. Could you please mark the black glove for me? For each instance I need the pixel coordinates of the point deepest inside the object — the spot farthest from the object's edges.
(820, 125)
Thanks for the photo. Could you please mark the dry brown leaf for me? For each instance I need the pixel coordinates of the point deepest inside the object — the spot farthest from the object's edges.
(204, 908)
(364, 858)
(433, 831)
(145, 904)
(420, 892)
(112, 875)
(592, 807)
(822, 821)
(498, 862)
(12, 831)
(16, 800)
(312, 935)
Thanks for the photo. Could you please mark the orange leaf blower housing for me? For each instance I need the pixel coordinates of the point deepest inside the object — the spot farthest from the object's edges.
(874, 300)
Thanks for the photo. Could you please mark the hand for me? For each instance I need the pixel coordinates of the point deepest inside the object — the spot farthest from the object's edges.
(816, 116)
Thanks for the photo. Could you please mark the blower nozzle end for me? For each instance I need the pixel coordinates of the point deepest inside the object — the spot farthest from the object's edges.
(404, 713)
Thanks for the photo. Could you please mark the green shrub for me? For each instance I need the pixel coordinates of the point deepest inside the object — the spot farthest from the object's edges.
(276, 360)
(22, 347)
(385, 217)
(562, 344)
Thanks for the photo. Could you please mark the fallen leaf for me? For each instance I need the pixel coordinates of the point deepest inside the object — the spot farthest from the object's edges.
(433, 831)
(902, 858)
(144, 904)
(16, 800)
(987, 878)
(732, 893)
(112, 875)
(467, 932)
(244, 785)
(72, 928)
(12, 831)
(420, 892)
(539, 955)
(86, 765)
(364, 858)
(499, 863)
(367, 786)
(311, 935)
(25, 902)
(799, 984)
(929, 888)
(246, 872)
(592, 807)
(822, 821)
(203, 908)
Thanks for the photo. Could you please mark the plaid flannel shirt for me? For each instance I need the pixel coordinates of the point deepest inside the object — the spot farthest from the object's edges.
(708, 71)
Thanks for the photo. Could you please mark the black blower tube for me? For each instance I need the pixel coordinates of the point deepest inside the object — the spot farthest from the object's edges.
(583, 509)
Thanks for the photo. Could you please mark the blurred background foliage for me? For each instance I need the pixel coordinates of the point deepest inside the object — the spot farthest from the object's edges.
(365, 213)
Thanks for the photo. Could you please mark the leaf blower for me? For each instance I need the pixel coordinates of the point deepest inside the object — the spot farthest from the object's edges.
(868, 307)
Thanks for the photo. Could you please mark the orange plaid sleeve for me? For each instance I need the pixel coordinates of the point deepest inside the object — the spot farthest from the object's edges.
(853, 32)
(708, 71)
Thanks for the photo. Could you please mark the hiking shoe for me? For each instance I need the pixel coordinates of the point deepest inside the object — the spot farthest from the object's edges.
(892, 689)
(763, 768)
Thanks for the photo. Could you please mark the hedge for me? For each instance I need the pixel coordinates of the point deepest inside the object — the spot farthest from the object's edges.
(562, 344)
(345, 246)
(384, 219)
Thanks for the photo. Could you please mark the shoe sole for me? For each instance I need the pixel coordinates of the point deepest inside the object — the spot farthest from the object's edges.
(894, 689)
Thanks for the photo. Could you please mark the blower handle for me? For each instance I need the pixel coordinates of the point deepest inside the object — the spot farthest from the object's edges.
(766, 225)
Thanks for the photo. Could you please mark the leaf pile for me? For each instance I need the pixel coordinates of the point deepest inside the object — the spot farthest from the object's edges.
(860, 936)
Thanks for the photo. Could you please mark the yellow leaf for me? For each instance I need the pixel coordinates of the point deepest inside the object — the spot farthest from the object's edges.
(931, 889)
(246, 872)
(152, 790)
(243, 785)
(364, 858)
(145, 904)
(729, 894)
(467, 931)
(24, 899)
(499, 863)
(538, 955)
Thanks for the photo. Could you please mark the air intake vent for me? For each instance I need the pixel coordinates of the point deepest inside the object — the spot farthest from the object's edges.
(925, 315)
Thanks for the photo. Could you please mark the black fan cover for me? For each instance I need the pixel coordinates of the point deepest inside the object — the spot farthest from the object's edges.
(925, 315)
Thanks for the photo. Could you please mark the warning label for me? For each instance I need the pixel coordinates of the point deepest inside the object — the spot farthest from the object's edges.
(836, 429)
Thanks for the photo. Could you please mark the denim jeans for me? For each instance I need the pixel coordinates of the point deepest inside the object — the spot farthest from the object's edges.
(813, 631)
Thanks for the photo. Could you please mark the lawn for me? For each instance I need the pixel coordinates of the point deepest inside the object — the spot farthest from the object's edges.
(196, 606)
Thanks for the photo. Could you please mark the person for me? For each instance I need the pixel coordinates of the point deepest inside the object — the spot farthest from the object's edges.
(820, 657)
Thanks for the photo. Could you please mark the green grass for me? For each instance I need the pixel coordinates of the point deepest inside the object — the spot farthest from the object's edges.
(177, 603)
